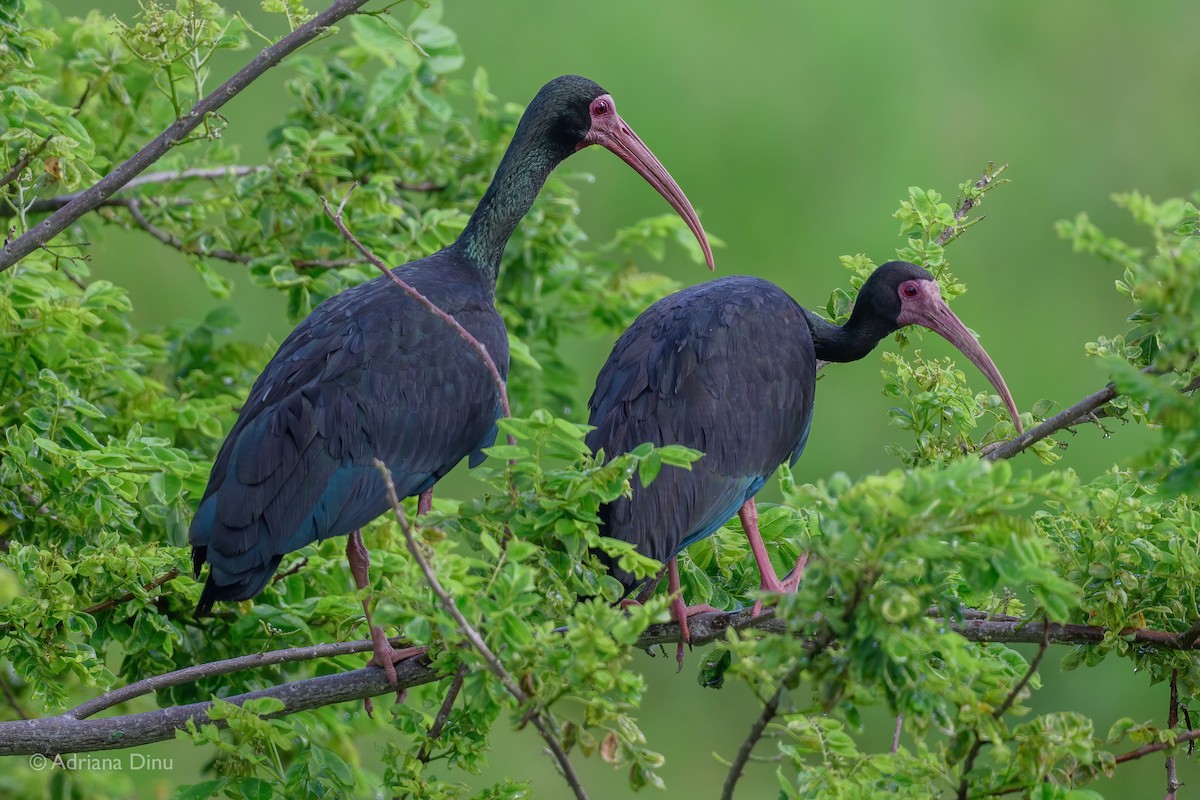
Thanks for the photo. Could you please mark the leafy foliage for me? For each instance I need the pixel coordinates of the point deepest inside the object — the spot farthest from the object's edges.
(109, 430)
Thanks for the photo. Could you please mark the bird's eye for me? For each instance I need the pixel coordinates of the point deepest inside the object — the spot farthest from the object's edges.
(600, 108)
(909, 290)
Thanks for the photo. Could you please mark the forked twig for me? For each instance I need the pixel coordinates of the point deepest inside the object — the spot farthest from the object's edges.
(476, 639)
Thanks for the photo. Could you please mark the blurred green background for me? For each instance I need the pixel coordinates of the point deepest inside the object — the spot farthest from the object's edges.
(795, 129)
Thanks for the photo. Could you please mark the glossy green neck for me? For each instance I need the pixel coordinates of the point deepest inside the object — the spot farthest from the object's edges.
(521, 174)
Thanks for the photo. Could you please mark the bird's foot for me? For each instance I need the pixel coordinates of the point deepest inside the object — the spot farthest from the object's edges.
(788, 585)
(388, 657)
(680, 613)
(792, 581)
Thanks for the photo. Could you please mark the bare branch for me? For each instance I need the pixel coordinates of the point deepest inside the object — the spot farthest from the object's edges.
(770, 709)
(1064, 419)
(388, 272)
(977, 746)
(473, 636)
(1068, 417)
(269, 56)
(1158, 747)
(439, 722)
(225, 667)
(63, 734)
(67, 733)
(1172, 722)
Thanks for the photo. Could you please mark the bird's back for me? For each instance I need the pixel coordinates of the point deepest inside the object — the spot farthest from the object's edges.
(368, 374)
(727, 368)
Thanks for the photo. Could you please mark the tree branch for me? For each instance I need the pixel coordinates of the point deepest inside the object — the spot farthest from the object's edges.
(68, 733)
(23, 162)
(544, 726)
(983, 184)
(439, 722)
(1066, 418)
(977, 746)
(113, 602)
(271, 55)
(1172, 723)
(770, 709)
(45, 204)
(215, 668)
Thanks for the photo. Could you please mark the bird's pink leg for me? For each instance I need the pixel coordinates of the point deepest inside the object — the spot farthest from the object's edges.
(386, 656)
(680, 611)
(424, 502)
(770, 582)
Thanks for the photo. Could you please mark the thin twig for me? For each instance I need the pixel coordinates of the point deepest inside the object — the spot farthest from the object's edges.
(1156, 747)
(134, 207)
(11, 697)
(770, 709)
(23, 162)
(1172, 723)
(43, 205)
(896, 733)
(977, 746)
(212, 669)
(113, 602)
(423, 186)
(472, 635)
(424, 301)
(968, 203)
(271, 55)
(439, 722)
(292, 570)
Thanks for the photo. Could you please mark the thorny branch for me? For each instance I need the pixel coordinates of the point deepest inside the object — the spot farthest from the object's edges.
(544, 725)
(88, 200)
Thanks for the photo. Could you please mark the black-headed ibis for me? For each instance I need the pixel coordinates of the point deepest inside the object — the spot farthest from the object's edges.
(370, 374)
(729, 368)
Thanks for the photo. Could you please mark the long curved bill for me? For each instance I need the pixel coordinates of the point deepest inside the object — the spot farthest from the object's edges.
(930, 311)
(612, 132)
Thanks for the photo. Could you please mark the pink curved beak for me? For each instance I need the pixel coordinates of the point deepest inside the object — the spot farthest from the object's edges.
(610, 131)
(930, 311)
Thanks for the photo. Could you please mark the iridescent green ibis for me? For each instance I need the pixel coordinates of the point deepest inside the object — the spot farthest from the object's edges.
(370, 374)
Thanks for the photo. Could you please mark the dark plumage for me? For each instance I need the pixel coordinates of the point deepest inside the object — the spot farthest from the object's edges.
(692, 370)
(370, 374)
(729, 368)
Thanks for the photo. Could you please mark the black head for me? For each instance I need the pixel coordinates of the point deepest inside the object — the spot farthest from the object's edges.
(563, 110)
(883, 292)
(571, 112)
(899, 293)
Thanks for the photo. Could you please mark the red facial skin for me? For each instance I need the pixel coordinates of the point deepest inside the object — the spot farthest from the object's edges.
(610, 131)
(921, 304)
